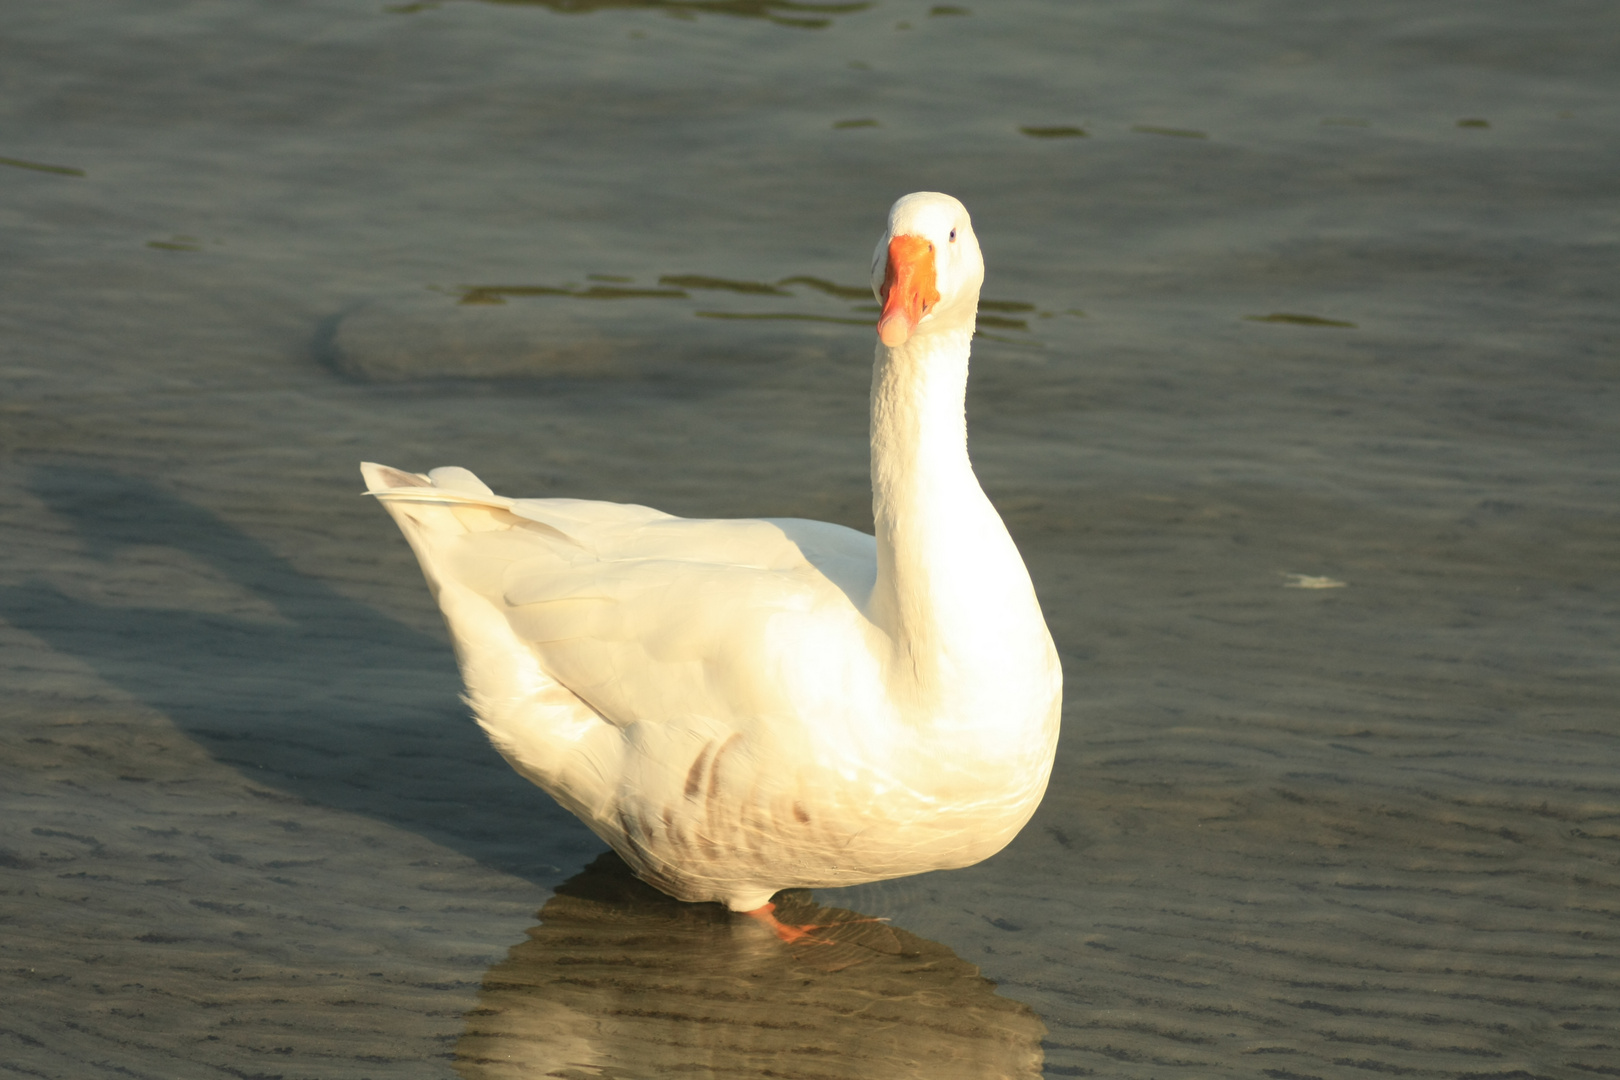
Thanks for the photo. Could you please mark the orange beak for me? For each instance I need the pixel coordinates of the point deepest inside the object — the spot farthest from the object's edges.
(908, 288)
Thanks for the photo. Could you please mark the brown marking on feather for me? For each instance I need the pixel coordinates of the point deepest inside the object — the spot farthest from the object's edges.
(801, 814)
(399, 478)
(714, 768)
(694, 775)
(636, 855)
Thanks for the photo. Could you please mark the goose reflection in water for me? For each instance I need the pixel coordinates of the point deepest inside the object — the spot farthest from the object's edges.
(620, 981)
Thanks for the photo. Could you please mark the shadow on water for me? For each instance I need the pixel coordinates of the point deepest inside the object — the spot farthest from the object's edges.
(327, 700)
(618, 980)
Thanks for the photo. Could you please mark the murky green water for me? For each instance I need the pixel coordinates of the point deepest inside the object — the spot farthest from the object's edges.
(1298, 391)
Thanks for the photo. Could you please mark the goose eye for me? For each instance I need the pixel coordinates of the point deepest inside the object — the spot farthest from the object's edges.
(953, 236)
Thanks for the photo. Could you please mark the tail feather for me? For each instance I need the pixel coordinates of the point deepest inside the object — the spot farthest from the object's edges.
(383, 477)
(455, 478)
(548, 733)
(448, 501)
(449, 485)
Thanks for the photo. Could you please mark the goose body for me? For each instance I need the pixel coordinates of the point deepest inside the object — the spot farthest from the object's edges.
(743, 706)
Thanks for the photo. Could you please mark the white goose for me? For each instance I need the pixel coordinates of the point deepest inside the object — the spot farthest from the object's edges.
(743, 706)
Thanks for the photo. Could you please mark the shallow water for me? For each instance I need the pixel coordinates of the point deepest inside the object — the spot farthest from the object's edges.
(1300, 401)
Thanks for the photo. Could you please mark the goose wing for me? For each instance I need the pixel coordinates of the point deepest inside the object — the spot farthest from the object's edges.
(715, 622)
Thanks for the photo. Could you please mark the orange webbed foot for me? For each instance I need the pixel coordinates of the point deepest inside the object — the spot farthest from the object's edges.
(795, 934)
(788, 932)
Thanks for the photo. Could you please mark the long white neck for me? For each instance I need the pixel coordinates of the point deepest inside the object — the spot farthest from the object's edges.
(952, 594)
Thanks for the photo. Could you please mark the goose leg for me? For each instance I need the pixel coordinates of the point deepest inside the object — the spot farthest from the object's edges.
(788, 932)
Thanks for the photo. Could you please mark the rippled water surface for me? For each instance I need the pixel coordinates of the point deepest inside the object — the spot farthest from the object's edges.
(1295, 383)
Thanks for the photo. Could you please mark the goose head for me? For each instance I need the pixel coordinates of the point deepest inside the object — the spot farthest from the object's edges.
(927, 269)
